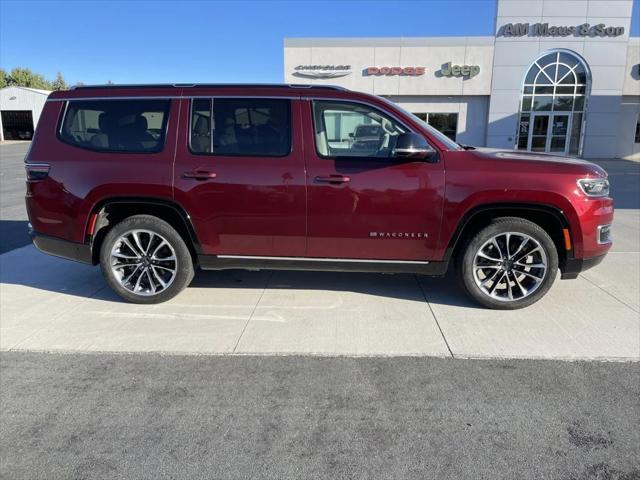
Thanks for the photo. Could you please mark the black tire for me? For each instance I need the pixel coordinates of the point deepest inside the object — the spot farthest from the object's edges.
(183, 266)
(502, 225)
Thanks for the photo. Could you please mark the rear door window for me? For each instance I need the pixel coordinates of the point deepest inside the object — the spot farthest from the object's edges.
(116, 125)
(251, 127)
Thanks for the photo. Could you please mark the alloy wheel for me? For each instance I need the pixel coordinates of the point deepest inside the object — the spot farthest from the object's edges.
(510, 266)
(143, 262)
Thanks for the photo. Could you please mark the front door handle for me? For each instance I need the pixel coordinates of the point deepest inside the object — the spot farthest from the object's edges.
(199, 174)
(333, 179)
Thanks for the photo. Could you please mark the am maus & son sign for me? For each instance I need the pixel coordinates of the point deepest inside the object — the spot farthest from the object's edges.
(544, 30)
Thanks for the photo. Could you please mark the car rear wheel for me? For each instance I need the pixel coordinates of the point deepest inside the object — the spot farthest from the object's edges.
(509, 264)
(144, 260)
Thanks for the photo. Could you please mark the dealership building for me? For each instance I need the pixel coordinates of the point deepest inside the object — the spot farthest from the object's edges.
(558, 76)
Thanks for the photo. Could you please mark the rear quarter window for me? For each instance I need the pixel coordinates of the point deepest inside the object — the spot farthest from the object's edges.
(137, 126)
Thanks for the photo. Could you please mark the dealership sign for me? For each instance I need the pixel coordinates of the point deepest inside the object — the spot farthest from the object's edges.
(389, 71)
(544, 30)
(322, 71)
(449, 70)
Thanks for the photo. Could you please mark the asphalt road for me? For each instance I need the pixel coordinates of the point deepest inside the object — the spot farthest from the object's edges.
(13, 213)
(152, 417)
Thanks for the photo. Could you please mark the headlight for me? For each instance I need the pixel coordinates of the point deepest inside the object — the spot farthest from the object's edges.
(594, 187)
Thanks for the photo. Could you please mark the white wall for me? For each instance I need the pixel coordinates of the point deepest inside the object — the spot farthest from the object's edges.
(606, 57)
(361, 53)
(428, 93)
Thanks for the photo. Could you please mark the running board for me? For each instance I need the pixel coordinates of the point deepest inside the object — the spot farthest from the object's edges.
(226, 262)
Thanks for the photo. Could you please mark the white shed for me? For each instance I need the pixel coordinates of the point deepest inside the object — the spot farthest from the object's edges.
(20, 109)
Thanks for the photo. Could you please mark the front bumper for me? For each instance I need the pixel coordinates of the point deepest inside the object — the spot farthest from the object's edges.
(574, 266)
(78, 252)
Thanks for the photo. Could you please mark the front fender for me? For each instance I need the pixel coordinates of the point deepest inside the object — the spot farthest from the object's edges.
(458, 214)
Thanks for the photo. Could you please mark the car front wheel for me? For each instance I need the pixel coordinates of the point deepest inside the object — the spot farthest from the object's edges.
(509, 264)
(144, 260)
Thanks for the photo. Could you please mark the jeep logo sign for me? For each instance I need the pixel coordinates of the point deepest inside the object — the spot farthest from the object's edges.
(449, 70)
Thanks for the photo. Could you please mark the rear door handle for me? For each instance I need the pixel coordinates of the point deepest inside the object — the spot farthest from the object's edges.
(333, 179)
(199, 174)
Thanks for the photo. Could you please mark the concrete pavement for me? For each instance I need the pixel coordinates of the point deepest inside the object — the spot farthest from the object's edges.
(51, 304)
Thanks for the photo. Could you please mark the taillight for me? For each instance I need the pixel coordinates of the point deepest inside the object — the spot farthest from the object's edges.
(37, 171)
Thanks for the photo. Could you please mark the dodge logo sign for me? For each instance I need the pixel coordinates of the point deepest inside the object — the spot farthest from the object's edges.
(408, 71)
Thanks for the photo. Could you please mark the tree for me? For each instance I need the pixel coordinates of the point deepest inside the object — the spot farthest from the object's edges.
(24, 77)
(59, 83)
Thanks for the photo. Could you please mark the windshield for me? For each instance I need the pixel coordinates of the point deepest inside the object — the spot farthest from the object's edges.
(450, 144)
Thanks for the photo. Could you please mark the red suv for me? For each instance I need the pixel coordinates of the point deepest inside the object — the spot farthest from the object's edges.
(154, 181)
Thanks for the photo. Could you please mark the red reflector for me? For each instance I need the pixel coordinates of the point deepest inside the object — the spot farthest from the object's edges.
(92, 223)
(567, 238)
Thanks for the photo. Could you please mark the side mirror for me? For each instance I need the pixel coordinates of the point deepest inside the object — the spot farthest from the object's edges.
(413, 146)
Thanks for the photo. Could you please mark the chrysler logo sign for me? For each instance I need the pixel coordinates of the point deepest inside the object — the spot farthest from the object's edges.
(322, 71)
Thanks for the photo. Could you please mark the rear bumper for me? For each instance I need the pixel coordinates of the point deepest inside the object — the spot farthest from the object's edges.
(78, 252)
(575, 266)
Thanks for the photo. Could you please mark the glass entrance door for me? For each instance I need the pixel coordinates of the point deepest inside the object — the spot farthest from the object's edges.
(559, 129)
(549, 133)
(539, 132)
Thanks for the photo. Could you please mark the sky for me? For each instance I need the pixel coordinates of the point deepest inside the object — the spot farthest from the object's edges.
(165, 41)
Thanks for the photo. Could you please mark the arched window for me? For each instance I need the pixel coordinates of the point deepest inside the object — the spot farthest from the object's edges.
(553, 101)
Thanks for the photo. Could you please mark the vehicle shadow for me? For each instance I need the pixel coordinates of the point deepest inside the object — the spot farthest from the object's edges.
(31, 268)
(13, 234)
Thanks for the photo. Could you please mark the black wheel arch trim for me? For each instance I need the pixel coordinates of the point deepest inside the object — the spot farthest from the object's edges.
(557, 213)
(150, 201)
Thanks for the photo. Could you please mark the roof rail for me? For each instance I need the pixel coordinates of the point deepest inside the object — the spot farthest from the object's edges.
(216, 85)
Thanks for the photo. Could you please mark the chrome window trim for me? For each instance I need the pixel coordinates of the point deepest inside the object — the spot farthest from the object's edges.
(168, 97)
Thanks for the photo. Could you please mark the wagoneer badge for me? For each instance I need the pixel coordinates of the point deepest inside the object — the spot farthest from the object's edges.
(398, 235)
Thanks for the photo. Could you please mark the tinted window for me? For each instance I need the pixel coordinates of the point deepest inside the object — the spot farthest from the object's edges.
(446, 123)
(116, 125)
(353, 129)
(241, 127)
